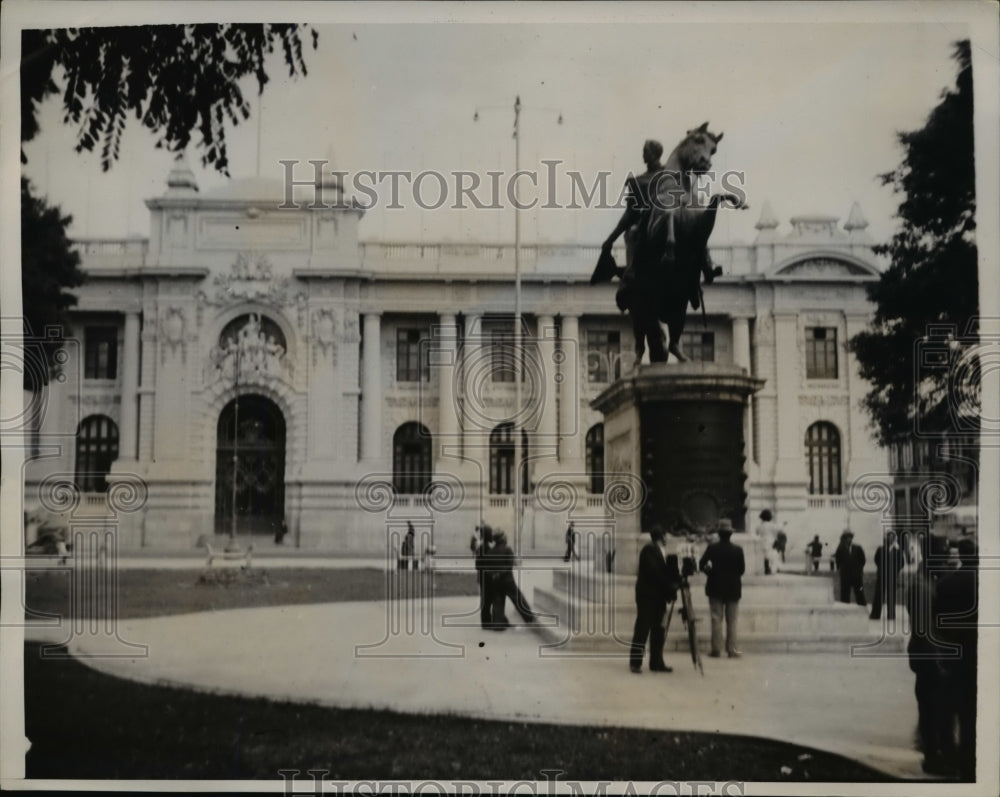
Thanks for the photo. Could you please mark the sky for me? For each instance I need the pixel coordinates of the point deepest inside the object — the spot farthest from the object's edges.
(810, 113)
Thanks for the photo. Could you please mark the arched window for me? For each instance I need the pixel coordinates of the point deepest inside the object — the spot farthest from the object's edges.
(411, 458)
(823, 456)
(595, 457)
(96, 449)
(502, 460)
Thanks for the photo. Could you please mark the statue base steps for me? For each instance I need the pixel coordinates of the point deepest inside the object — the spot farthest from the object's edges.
(779, 613)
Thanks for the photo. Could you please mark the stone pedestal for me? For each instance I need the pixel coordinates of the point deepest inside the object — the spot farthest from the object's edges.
(679, 428)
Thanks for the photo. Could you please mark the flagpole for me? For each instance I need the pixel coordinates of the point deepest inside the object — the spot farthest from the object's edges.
(518, 358)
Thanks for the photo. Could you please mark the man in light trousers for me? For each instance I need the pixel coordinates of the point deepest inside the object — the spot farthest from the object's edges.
(724, 565)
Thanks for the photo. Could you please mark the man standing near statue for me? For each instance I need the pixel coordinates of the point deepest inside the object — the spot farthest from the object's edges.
(724, 565)
(850, 561)
(655, 586)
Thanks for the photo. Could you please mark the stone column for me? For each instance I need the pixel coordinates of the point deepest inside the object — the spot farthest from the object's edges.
(741, 357)
(147, 391)
(861, 455)
(789, 465)
(569, 391)
(443, 364)
(371, 388)
(472, 351)
(129, 433)
(547, 422)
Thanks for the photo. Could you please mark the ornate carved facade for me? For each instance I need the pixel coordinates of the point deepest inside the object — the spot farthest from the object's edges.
(233, 302)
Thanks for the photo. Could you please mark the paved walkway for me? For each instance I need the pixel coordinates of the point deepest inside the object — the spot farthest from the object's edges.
(350, 655)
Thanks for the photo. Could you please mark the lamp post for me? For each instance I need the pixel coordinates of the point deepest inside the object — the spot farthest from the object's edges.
(518, 343)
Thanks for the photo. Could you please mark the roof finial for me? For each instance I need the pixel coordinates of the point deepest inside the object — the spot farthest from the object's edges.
(856, 219)
(180, 179)
(767, 220)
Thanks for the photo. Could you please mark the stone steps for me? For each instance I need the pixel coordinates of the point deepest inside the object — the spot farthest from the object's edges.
(779, 613)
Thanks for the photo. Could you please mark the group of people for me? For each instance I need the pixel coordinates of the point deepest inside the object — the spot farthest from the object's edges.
(661, 575)
(495, 573)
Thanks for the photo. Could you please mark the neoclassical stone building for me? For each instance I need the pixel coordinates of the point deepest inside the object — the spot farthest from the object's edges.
(351, 385)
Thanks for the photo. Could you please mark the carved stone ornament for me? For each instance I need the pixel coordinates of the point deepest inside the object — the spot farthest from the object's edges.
(324, 324)
(824, 400)
(250, 279)
(172, 327)
(250, 356)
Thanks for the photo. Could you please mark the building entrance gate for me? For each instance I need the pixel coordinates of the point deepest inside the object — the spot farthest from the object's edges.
(259, 448)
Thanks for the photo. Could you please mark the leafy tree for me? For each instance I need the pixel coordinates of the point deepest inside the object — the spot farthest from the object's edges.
(48, 267)
(928, 297)
(175, 79)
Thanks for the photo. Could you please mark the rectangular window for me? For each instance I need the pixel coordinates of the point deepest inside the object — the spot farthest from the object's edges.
(603, 355)
(100, 352)
(821, 353)
(412, 356)
(699, 346)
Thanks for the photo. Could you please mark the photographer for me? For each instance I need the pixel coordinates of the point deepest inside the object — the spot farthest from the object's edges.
(656, 585)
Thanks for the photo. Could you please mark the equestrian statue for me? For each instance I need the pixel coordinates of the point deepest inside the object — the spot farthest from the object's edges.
(666, 243)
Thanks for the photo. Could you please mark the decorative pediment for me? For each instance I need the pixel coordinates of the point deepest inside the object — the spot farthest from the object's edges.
(826, 267)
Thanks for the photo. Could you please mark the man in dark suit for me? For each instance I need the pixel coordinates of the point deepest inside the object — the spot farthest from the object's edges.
(501, 564)
(481, 549)
(655, 585)
(724, 565)
(957, 615)
(850, 560)
(888, 563)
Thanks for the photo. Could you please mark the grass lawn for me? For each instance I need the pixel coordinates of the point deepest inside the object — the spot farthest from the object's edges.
(83, 724)
(153, 593)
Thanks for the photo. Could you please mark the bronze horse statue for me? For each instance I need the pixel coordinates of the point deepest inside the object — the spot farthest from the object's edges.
(667, 248)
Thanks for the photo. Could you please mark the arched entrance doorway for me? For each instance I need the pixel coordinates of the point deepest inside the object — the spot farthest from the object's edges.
(259, 447)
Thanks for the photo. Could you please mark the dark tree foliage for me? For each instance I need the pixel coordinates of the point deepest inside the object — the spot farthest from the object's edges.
(48, 267)
(175, 79)
(928, 299)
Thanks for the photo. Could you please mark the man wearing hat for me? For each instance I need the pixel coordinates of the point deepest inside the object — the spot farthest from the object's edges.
(655, 585)
(481, 549)
(724, 565)
(501, 563)
(850, 561)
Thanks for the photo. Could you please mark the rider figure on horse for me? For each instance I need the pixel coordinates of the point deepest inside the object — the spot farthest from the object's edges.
(657, 199)
(639, 200)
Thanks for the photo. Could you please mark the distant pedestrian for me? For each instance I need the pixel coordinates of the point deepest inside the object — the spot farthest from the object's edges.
(407, 549)
(814, 550)
(724, 565)
(481, 550)
(888, 563)
(850, 561)
(501, 563)
(656, 585)
(571, 551)
(781, 543)
(766, 534)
